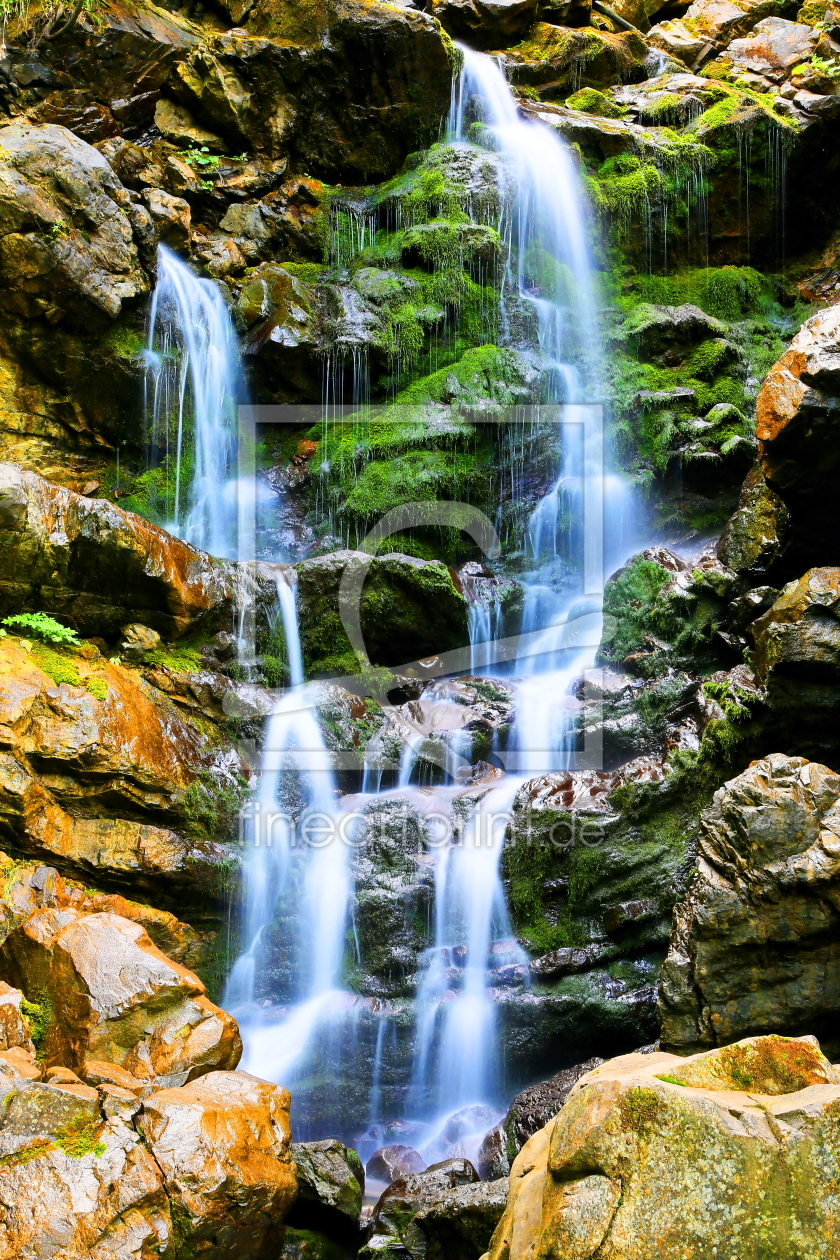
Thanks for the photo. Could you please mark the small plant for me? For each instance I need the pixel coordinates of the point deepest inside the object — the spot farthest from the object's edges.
(56, 230)
(80, 1137)
(98, 688)
(42, 626)
(39, 1016)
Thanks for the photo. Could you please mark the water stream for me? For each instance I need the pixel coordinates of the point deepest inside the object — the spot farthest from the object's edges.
(298, 919)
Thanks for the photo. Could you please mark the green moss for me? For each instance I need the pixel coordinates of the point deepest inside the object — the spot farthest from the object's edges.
(80, 1137)
(640, 1109)
(56, 665)
(211, 805)
(98, 688)
(591, 101)
(629, 601)
(178, 657)
(39, 1015)
(14, 1159)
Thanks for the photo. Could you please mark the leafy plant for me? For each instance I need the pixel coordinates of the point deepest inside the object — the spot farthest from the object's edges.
(42, 626)
(39, 1016)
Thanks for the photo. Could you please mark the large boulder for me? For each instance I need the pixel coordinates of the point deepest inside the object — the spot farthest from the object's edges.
(68, 228)
(409, 609)
(99, 567)
(797, 422)
(655, 1155)
(755, 944)
(753, 541)
(797, 653)
(222, 1145)
(76, 1182)
(331, 1184)
(102, 775)
(529, 1112)
(347, 89)
(108, 994)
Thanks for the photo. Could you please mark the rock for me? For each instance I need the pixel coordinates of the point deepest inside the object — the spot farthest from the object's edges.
(486, 23)
(93, 564)
(565, 962)
(331, 1184)
(391, 1162)
(558, 60)
(676, 39)
(308, 1244)
(665, 334)
(222, 1145)
(439, 1213)
(67, 235)
(278, 310)
(13, 1030)
(177, 124)
(754, 945)
(75, 1181)
(345, 93)
(797, 649)
(114, 996)
(774, 48)
(797, 416)
(763, 1112)
(628, 913)
(171, 217)
(529, 1112)
(141, 759)
(137, 641)
(410, 609)
(754, 537)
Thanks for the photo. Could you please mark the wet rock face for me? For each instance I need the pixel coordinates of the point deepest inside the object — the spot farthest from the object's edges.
(116, 998)
(529, 1112)
(443, 1212)
(797, 417)
(348, 108)
(130, 820)
(762, 1112)
(69, 231)
(100, 567)
(754, 944)
(331, 1184)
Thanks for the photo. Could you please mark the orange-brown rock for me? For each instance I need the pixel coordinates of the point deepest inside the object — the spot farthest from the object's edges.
(656, 1155)
(223, 1146)
(797, 424)
(116, 997)
(99, 567)
(99, 784)
(13, 1030)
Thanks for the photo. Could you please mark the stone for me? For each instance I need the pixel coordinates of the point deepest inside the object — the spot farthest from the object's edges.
(67, 240)
(140, 756)
(754, 1141)
(754, 537)
(797, 418)
(331, 1184)
(774, 48)
(754, 945)
(92, 563)
(529, 1112)
(344, 92)
(566, 961)
(721, 20)
(409, 609)
(137, 641)
(444, 1212)
(627, 913)
(177, 124)
(487, 23)
(13, 1030)
(76, 1182)
(223, 1146)
(98, 1072)
(666, 334)
(171, 217)
(797, 649)
(676, 39)
(391, 1162)
(114, 996)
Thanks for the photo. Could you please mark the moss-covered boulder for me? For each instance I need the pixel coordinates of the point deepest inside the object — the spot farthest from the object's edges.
(653, 1154)
(409, 609)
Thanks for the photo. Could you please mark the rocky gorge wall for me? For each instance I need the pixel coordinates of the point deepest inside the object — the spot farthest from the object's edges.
(293, 155)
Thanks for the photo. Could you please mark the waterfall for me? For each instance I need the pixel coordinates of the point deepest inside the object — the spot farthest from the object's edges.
(298, 919)
(193, 386)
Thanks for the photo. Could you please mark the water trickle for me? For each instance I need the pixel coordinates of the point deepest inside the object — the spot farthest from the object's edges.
(193, 386)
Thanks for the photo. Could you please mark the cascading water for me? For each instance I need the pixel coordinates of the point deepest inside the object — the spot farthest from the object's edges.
(299, 922)
(193, 387)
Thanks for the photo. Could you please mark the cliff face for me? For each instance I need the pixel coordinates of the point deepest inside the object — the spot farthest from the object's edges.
(295, 156)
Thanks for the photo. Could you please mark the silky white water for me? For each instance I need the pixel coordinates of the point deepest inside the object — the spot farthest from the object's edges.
(299, 910)
(193, 386)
